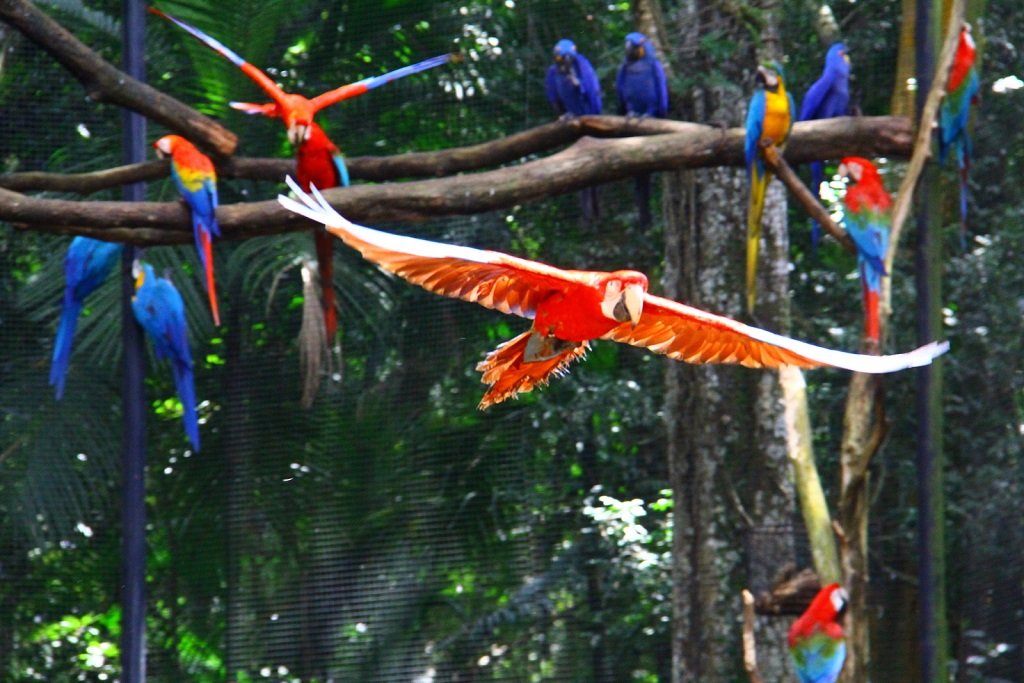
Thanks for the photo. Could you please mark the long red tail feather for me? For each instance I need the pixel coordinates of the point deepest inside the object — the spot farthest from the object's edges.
(325, 263)
(211, 284)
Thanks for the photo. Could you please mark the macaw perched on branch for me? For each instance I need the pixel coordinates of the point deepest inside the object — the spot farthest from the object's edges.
(317, 158)
(962, 90)
(816, 639)
(569, 308)
(769, 120)
(868, 220)
(572, 88)
(642, 91)
(829, 96)
(196, 179)
(87, 264)
(160, 310)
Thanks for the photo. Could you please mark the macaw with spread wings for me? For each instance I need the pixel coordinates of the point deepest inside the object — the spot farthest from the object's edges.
(570, 308)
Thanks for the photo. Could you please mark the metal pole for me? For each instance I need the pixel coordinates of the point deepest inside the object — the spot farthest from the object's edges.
(133, 459)
(930, 499)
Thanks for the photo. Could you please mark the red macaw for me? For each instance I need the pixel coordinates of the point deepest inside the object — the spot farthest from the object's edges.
(868, 220)
(158, 307)
(769, 117)
(317, 158)
(816, 640)
(962, 90)
(196, 179)
(569, 308)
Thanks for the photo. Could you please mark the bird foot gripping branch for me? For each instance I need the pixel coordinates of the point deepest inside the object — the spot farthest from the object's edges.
(572, 307)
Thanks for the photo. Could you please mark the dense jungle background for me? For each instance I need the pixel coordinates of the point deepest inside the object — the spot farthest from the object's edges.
(393, 532)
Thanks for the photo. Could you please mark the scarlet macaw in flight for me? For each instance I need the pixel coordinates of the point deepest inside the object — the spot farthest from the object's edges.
(86, 265)
(643, 91)
(572, 88)
(196, 179)
(816, 640)
(317, 158)
(829, 96)
(158, 307)
(868, 220)
(769, 117)
(569, 308)
(962, 91)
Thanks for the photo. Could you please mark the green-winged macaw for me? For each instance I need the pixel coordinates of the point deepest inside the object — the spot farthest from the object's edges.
(817, 643)
(643, 91)
(196, 180)
(769, 118)
(829, 96)
(962, 91)
(158, 307)
(87, 264)
(868, 218)
(569, 308)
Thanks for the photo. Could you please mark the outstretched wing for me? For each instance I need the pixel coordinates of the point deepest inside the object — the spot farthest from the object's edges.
(489, 278)
(689, 334)
(359, 87)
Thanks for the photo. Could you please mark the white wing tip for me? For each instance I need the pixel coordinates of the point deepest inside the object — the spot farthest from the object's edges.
(315, 208)
(924, 355)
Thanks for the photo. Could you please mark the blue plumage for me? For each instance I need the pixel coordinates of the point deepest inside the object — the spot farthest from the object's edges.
(828, 97)
(86, 265)
(160, 310)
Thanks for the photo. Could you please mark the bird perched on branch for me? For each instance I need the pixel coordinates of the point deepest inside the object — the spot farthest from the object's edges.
(829, 96)
(642, 91)
(570, 308)
(868, 219)
(87, 264)
(962, 91)
(196, 179)
(816, 640)
(158, 307)
(769, 120)
(572, 89)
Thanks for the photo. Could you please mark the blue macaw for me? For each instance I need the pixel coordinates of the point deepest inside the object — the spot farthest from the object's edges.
(573, 90)
(829, 96)
(962, 91)
(160, 310)
(86, 265)
(642, 91)
(769, 117)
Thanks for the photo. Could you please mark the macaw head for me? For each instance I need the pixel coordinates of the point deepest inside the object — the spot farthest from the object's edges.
(770, 75)
(166, 145)
(966, 39)
(141, 272)
(298, 118)
(829, 605)
(623, 296)
(858, 169)
(636, 46)
(837, 58)
(565, 56)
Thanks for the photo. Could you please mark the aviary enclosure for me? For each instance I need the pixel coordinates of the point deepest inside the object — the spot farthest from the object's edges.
(350, 514)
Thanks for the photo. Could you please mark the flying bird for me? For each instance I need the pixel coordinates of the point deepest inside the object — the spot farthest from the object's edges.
(196, 179)
(816, 640)
(572, 88)
(868, 218)
(769, 119)
(962, 91)
(643, 91)
(158, 307)
(828, 97)
(87, 264)
(570, 308)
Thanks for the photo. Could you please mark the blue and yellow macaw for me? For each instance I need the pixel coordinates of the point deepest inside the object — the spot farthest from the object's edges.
(160, 310)
(642, 91)
(962, 91)
(572, 89)
(769, 118)
(86, 265)
(196, 180)
(829, 96)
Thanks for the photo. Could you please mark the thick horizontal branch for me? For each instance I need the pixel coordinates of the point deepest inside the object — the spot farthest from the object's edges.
(104, 82)
(588, 162)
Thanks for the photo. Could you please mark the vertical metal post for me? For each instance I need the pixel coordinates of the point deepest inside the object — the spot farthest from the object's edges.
(133, 459)
(930, 499)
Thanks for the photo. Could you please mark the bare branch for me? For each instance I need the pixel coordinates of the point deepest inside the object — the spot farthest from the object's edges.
(104, 82)
(749, 643)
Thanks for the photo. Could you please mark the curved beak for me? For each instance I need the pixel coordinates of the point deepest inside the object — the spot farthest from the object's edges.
(633, 301)
(298, 133)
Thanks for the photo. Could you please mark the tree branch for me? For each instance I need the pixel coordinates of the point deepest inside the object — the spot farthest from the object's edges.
(749, 643)
(587, 162)
(106, 83)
